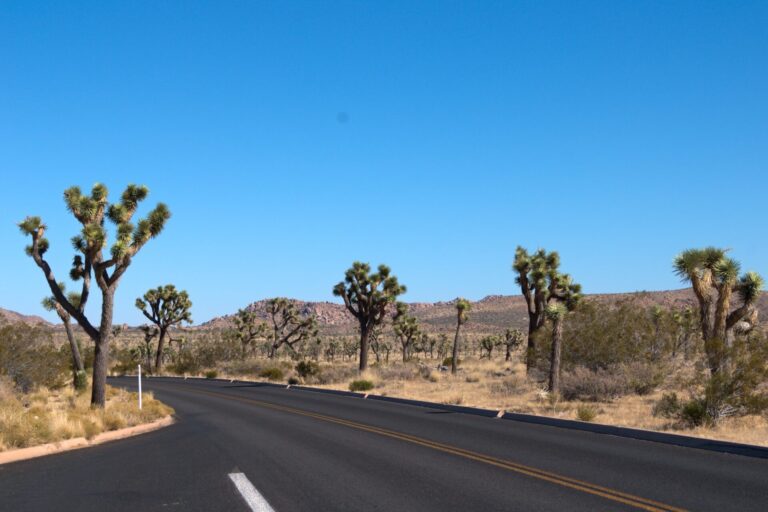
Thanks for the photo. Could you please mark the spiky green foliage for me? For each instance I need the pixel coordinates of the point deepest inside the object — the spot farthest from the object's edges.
(249, 328)
(289, 327)
(512, 339)
(91, 211)
(541, 282)
(166, 307)
(366, 296)
(463, 307)
(406, 328)
(488, 344)
(715, 278)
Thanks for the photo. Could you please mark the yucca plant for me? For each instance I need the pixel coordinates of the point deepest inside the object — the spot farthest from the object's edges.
(406, 328)
(463, 307)
(166, 307)
(540, 282)
(90, 262)
(367, 295)
(715, 280)
(289, 327)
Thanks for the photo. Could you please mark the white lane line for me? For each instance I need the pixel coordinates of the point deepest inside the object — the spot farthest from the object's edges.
(252, 497)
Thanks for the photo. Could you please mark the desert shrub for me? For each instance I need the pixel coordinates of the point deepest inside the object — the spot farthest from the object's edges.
(360, 385)
(586, 412)
(642, 377)
(669, 406)
(694, 413)
(211, 374)
(307, 369)
(584, 384)
(507, 387)
(334, 374)
(272, 373)
(471, 379)
(293, 381)
(29, 359)
(448, 361)
(124, 361)
(600, 336)
(81, 380)
(399, 371)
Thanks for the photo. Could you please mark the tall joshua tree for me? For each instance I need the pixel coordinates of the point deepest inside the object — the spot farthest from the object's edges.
(89, 262)
(367, 295)
(164, 306)
(556, 312)
(715, 279)
(288, 326)
(78, 370)
(540, 283)
(463, 307)
(406, 329)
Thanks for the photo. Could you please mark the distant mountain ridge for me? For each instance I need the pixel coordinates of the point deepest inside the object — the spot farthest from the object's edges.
(490, 314)
(13, 316)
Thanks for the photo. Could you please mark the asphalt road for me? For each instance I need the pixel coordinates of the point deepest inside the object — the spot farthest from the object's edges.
(309, 451)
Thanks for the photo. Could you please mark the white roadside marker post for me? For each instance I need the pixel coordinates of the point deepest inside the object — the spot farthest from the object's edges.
(139, 387)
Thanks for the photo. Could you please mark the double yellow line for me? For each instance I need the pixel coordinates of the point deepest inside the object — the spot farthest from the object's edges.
(572, 483)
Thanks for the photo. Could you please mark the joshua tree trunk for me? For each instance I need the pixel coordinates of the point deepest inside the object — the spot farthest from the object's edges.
(101, 352)
(364, 335)
(77, 360)
(535, 323)
(159, 355)
(455, 353)
(557, 341)
(508, 355)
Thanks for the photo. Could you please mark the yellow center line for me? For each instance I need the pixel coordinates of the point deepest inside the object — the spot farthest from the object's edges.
(572, 483)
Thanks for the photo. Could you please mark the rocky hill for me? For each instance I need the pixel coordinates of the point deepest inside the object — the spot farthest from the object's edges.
(491, 314)
(13, 317)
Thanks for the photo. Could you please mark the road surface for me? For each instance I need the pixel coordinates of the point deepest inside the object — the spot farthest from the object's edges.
(240, 447)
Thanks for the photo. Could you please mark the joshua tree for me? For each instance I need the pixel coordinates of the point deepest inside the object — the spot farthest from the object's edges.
(165, 307)
(406, 329)
(513, 338)
(715, 279)
(540, 282)
(429, 342)
(487, 344)
(288, 326)
(442, 346)
(331, 349)
(248, 328)
(685, 324)
(367, 296)
(556, 313)
(463, 307)
(150, 332)
(90, 262)
(78, 370)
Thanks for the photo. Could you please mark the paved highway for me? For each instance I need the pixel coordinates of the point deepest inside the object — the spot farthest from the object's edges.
(240, 447)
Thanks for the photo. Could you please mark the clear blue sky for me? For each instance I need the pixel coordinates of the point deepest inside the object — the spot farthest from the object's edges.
(291, 138)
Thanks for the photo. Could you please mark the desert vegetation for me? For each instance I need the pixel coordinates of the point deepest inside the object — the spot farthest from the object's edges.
(628, 361)
(699, 364)
(39, 404)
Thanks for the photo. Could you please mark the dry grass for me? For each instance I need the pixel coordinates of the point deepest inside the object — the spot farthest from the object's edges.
(47, 416)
